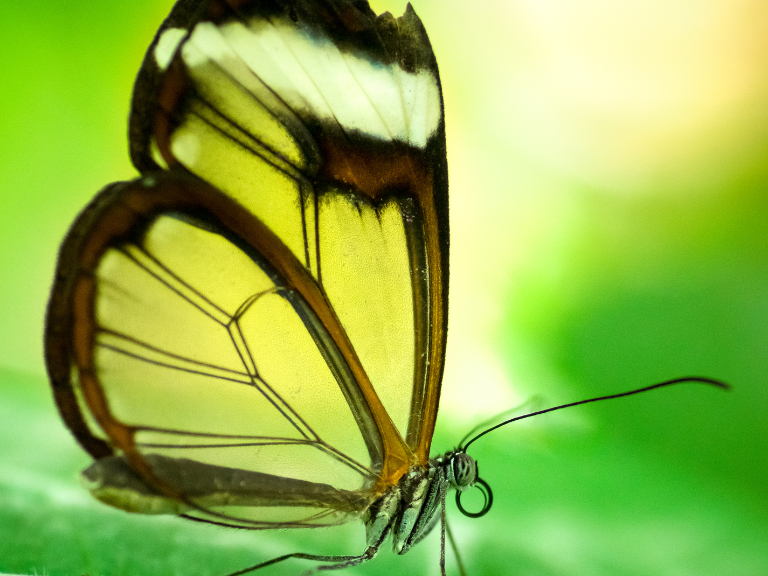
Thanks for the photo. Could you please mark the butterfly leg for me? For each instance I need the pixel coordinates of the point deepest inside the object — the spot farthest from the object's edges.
(339, 562)
(347, 561)
(452, 542)
(379, 521)
(442, 533)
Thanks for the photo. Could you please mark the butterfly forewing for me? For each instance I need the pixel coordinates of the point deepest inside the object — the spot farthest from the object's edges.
(332, 112)
(280, 312)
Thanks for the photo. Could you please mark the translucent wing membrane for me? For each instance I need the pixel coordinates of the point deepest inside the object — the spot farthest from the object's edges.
(231, 355)
(335, 117)
(188, 345)
(255, 334)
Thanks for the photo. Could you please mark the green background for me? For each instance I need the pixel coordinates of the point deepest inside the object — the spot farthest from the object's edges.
(609, 190)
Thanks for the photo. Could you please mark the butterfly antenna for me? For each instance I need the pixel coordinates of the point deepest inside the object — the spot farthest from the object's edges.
(530, 404)
(699, 379)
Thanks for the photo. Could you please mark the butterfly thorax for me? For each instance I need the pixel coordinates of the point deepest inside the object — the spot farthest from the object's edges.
(409, 508)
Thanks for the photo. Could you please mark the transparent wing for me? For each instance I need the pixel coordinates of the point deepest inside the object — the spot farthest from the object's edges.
(186, 343)
(281, 313)
(331, 121)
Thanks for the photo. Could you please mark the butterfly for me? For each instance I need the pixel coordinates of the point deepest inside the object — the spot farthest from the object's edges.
(252, 332)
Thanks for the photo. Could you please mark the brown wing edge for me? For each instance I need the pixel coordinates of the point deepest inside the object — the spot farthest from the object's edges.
(183, 14)
(416, 52)
(58, 348)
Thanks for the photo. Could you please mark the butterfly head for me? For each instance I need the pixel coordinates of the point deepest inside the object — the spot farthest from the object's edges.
(461, 472)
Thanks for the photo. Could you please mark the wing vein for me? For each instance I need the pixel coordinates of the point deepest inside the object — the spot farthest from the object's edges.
(179, 280)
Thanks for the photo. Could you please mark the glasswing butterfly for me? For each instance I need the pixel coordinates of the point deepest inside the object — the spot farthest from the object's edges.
(252, 332)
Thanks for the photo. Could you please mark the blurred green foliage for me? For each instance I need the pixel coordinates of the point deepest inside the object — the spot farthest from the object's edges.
(602, 270)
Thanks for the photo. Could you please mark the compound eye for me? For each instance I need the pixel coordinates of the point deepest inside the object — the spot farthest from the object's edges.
(464, 470)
